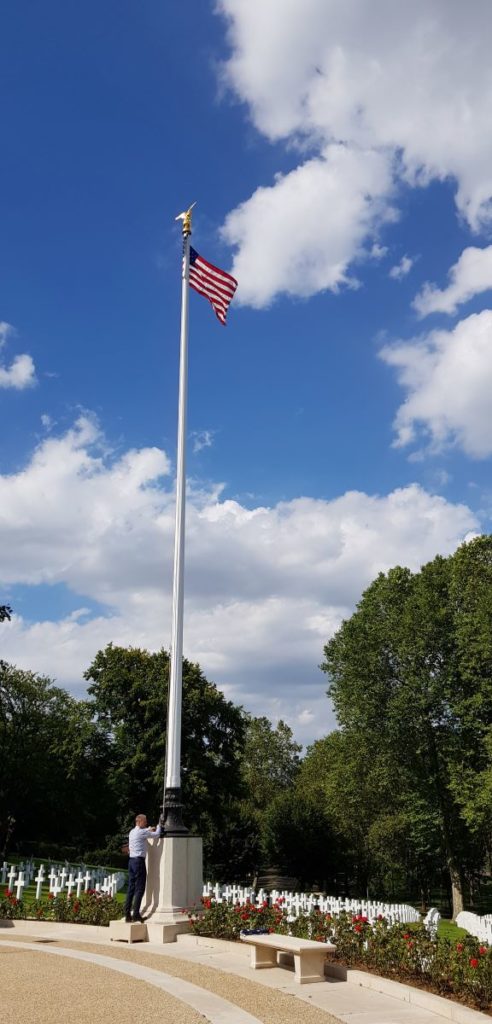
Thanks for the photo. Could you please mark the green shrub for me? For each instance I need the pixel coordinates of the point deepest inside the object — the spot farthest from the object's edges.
(89, 908)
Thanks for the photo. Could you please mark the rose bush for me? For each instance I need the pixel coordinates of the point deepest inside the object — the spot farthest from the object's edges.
(89, 908)
(407, 953)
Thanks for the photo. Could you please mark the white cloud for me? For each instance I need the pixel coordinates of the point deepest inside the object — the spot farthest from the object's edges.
(447, 376)
(202, 439)
(21, 372)
(410, 82)
(300, 235)
(6, 330)
(265, 587)
(378, 252)
(469, 276)
(401, 269)
(19, 375)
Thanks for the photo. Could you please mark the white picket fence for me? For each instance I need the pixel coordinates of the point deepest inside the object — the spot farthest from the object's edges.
(480, 927)
(69, 878)
(296, 903)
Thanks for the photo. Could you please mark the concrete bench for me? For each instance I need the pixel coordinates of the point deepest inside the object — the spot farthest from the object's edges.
(309, 957)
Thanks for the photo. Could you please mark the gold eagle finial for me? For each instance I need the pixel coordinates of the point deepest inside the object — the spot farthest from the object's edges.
(185, 216)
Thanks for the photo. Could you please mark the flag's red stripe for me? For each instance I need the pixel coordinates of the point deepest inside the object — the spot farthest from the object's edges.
(223, 273)
(211, 289)
(215, 281)
(216, 303)
(220, 314)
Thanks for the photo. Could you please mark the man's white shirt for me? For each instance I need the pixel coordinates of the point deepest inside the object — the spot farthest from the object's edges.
(137, 840)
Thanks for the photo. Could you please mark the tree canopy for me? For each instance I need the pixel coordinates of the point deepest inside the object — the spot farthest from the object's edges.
(411, 683)
(128, 695)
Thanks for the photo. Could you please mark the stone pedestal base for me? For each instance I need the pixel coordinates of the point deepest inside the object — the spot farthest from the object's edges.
(174, 884)
(120, 931)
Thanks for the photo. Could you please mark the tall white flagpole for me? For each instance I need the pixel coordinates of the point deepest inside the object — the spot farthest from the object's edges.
(172, 806)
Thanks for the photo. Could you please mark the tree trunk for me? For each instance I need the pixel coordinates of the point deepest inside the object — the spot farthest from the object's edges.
(456, 891)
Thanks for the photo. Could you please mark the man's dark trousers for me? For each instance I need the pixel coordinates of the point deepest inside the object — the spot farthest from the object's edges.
(137, 877)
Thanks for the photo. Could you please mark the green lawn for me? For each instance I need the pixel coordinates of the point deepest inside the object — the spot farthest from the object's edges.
(448, 930)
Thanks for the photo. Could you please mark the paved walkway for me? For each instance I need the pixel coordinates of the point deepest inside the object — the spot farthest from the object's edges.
(64, 979)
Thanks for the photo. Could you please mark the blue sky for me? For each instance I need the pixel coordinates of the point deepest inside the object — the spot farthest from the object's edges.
(339, 156)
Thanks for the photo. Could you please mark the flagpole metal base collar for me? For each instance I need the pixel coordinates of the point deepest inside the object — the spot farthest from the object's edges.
(171, 820)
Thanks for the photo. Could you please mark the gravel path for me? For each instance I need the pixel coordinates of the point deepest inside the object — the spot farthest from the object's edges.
(40, 989)
(269, 1005)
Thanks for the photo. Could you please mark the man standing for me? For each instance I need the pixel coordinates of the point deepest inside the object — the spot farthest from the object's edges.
(137, 872)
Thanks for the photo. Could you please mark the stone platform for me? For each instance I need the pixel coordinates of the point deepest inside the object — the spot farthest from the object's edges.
(122, 931)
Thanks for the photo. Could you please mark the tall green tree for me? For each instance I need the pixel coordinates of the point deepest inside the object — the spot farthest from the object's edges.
(54, 761)
(410, 676)
(382, 846)
(298, 838)
(270, 761)
(128, 695)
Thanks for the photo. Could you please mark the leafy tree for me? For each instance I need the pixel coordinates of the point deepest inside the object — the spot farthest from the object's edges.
(297, 836)
(410, 678)
(381, 845)
(269, 766)
(54, 761)
(128, 698)
(270, 761)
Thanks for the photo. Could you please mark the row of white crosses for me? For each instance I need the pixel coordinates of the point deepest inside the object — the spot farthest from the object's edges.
(61, 880)
(301, 903)
(480, 927)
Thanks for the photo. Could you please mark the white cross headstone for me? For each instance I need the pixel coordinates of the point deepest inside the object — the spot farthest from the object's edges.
(57, 886)
(53, 877)
(20, 884)
(79, 881)
(87, 880)
(63, 877)
(39, 881)
(70, 884)
(12, 876)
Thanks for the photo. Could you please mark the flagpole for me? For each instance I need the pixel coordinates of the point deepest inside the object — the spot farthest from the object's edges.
(171, 819)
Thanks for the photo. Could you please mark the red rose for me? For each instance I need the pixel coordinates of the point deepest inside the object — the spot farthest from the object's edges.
(406, 935)
(8, 893)
(483, 950)
(357, 928)
(51, 895)
(473, 962)
(459, 947)
(409, 945)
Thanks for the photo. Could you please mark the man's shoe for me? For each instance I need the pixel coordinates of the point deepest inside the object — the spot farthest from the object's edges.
(138, 920)
(128, 918)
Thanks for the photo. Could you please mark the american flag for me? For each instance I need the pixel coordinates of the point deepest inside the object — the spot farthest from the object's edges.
(217, 286)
